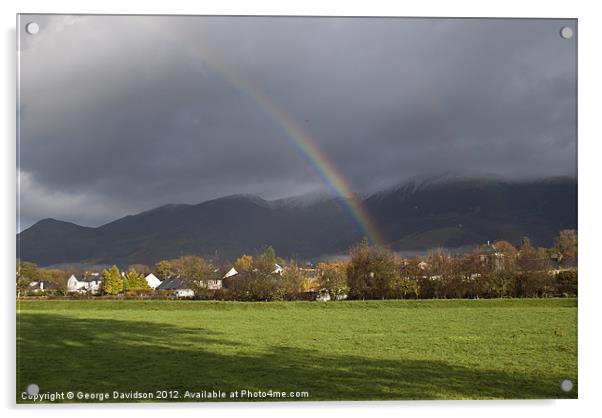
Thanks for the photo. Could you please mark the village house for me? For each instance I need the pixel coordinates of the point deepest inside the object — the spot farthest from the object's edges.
(278, 269)
(152, 281)
(212, 284)
(41, 286)
(559, 263)
(178, 287)
(489, 255)
(88, 284)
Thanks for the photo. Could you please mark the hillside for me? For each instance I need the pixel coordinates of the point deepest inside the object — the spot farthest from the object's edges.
(416, 215)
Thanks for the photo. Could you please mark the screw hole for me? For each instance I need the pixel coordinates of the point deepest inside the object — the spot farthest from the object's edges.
(32, 28)
(566, 385)
(566, 32)
(33, 389)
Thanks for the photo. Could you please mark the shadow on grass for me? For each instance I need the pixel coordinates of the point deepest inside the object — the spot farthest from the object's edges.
(61, 353)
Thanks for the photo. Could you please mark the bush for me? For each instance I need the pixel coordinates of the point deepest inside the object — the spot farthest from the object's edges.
(202, 293)
(566, 283)
(262, 287)
(404, 288)
(289, 285)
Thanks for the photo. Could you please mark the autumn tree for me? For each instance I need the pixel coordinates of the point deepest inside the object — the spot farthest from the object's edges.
(525, 242)
(22, 285)
(309, 284)
(263, 287)
(140, 268)
(244, 263)
(333, 277)
(371, 271)
(442, 270)
(503, 276)
(476, 274)
(112, 282)
(193, 268)
(566, 282)
(135, 281)
(289, 285)
(238, 286)
(125, 282)
(163, 269)
(403, 287)
(266, 261)
(566, 243)
(27, 270)
(54, 275)
(533, 277)
(508, 250)
(413, 282)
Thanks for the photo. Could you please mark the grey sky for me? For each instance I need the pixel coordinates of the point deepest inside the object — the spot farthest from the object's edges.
(122, 114)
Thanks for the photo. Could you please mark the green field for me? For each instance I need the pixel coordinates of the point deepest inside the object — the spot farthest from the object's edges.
(431, 349)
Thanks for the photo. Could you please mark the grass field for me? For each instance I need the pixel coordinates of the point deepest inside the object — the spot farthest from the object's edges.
(435, 349)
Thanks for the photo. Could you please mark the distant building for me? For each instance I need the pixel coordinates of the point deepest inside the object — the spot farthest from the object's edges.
(278, 269)
(87, 284)
(41, 286)
(178, 287)
(559, 263)
(489, 255)
(152, 280)
(213, 284)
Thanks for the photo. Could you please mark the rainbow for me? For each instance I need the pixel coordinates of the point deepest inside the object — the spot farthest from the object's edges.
(323, 166)
(317, 159)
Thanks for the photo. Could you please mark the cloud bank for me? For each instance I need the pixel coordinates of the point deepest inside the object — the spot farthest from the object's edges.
(121, 114)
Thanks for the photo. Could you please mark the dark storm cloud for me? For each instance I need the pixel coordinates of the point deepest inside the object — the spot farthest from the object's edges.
(121, 114)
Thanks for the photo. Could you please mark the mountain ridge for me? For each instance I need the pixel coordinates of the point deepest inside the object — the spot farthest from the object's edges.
(445, 212)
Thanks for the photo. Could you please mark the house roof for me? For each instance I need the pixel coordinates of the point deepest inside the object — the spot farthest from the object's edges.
(230, 273)
(47, 285)
(174, 283)
(91, 278)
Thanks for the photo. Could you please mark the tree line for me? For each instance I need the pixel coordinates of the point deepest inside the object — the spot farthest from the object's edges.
(495, 270)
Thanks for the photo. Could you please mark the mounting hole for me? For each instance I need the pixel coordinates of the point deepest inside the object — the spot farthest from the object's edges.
(33, 389)
(566, 385)
(32, 28)
(566, 32)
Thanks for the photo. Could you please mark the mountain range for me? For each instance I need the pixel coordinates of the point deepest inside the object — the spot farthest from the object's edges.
(417, 215)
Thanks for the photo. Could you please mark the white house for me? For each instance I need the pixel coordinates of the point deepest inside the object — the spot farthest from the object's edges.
(214, 284)
(277, 269)
(74, 285)
(90, 283)
(153, 281)
(178, 287)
